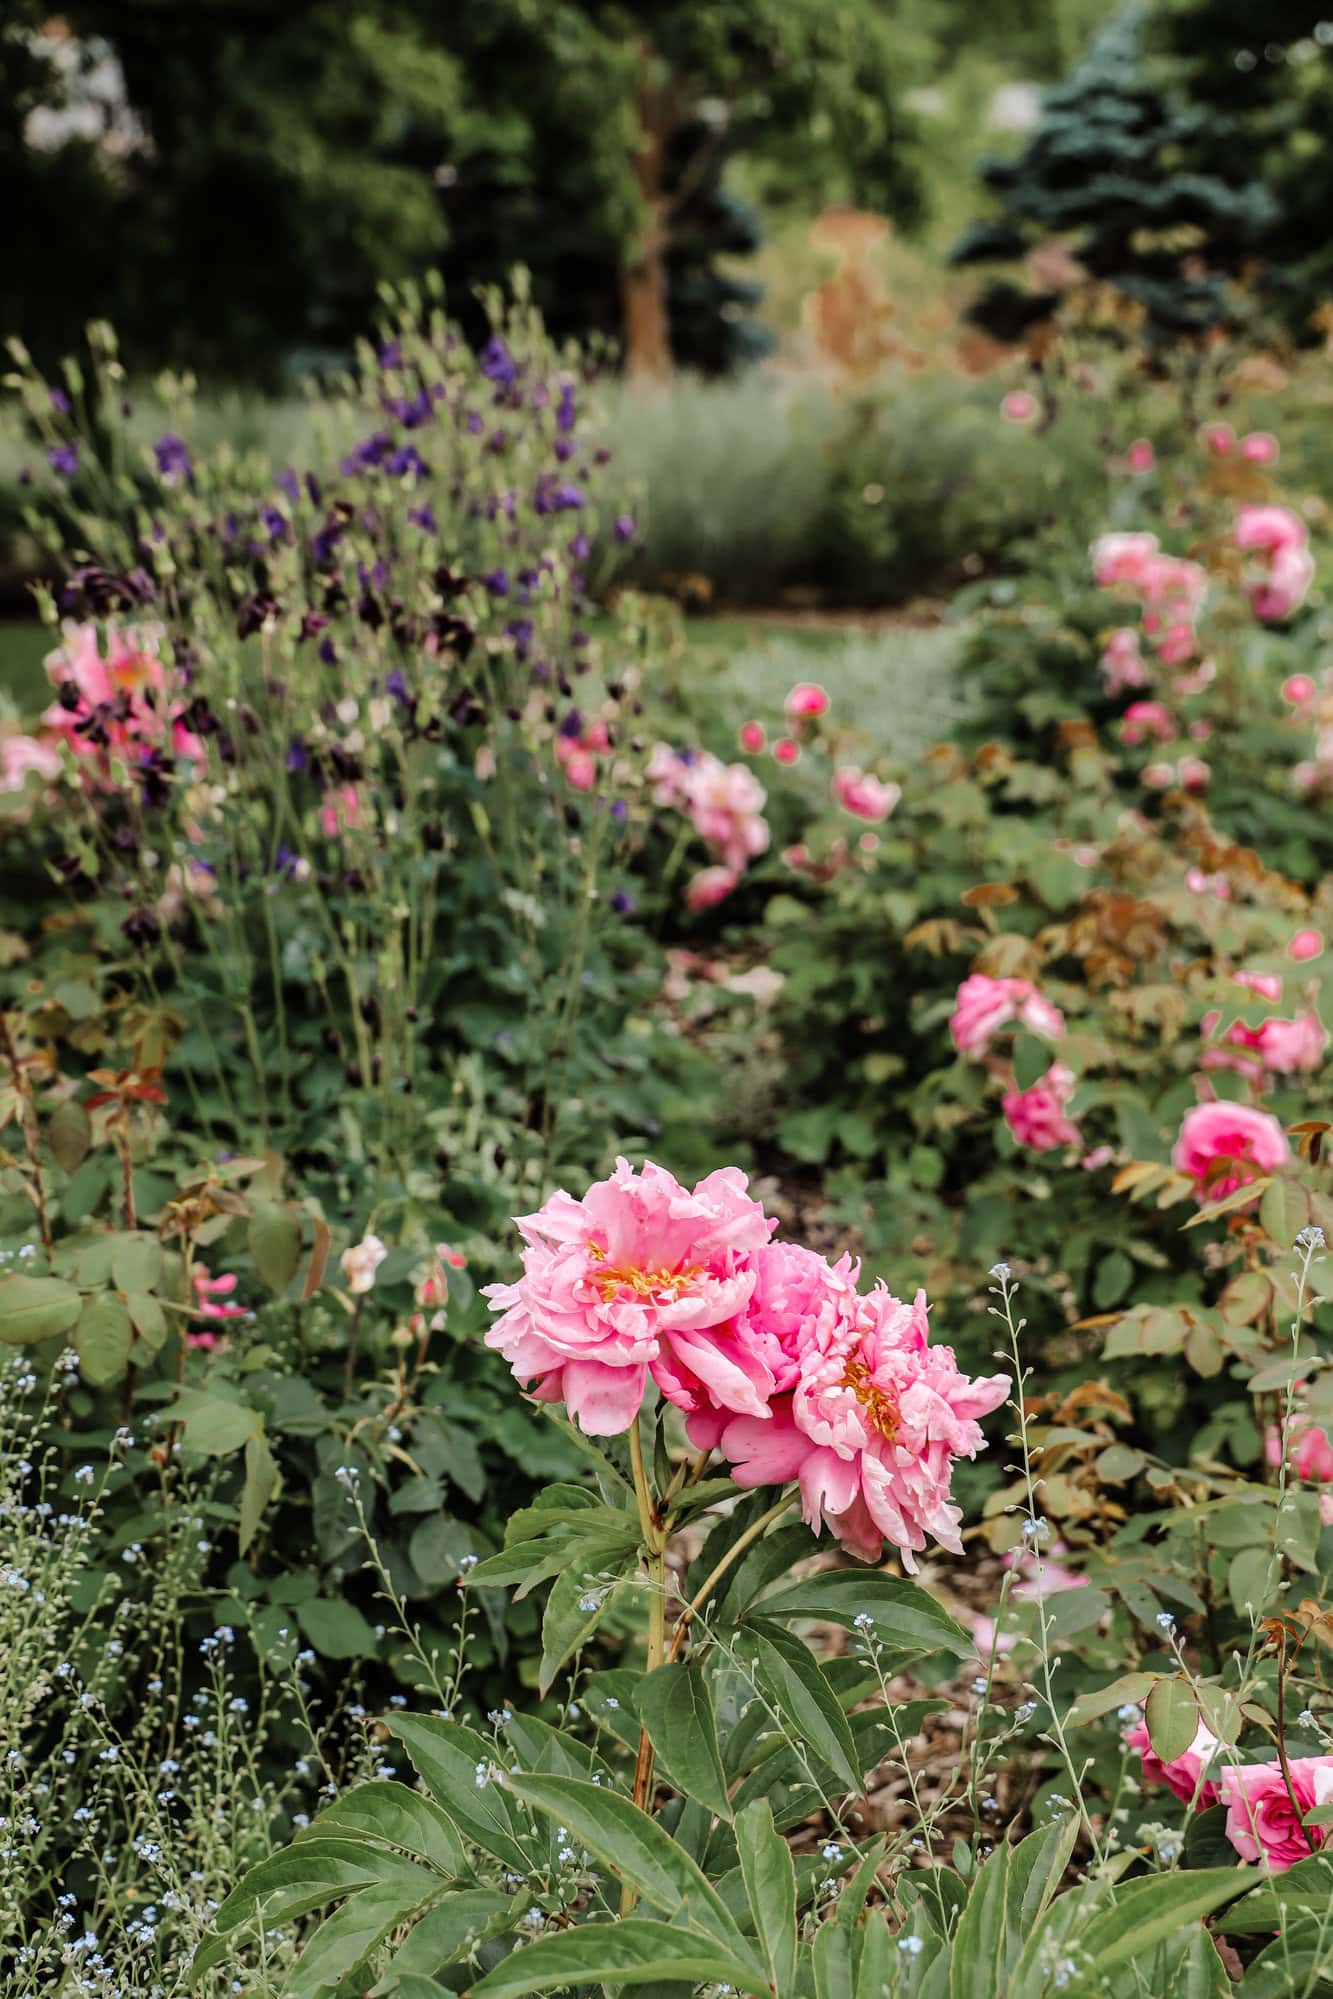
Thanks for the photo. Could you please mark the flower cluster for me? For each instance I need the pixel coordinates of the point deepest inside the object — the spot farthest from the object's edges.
(1276, 1047)
(772, 1353)
(1281, 565)
(1262, 1821)
(982, 1006)
(124, 704)
(724, 802)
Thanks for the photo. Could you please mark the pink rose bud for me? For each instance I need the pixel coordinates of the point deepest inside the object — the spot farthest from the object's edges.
(785, 750)
(1140, 457)
(1218, 438)
(1019, 406)
(1297, 688)
(752, 737)
(1305, 944)
(1260, 447)
(806, 698)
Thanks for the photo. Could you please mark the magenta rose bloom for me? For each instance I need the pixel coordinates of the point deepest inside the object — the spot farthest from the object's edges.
(1261, 1822)
(1222, 1147)
(1182, 1774)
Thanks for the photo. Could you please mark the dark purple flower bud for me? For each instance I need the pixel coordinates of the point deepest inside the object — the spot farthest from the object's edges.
(496, 362)
(279, 527)
(497, 582)
(25, 475)
(396, 685)
(141, 927)
(572, 726)
(312, 487)
(624, 528)
(286, 861)
(601, 456)
(391, 355)
(312, 624)
(64, 458)
(298, 756)
(60, 401)
(567, 497)
(370, 452)
(564, 415)
(328, 652)
(622, 903)
(564, 449)
(288, 483)
(475, 423)
(174, 463)
(253, 612)
(580, 548)
(520, 631)
(580, 639)
(620, 812)
(404, 460)
(423, 517)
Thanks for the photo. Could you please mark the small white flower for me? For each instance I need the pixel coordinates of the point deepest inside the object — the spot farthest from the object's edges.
(361, 1262)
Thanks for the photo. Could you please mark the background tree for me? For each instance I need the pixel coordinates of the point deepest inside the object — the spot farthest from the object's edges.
(1110, 173)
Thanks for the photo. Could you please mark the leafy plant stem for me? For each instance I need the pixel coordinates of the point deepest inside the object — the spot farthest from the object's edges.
(738, 1547)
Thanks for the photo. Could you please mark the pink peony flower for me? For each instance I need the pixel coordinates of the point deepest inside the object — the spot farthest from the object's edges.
(1184, 1774)
(1222, 1147)
(1298, 688)
(1305, 944)
(806, 699)
(1140, 457)
(863, 795)
(1036, 1116)
(1147, 721)
(639, 1274)
(871, 1428)
(1259, 447)
(983, 1005)
(752, 737)
(708, 887)
(726, 803)
(1018, 406)
(1261, 1822)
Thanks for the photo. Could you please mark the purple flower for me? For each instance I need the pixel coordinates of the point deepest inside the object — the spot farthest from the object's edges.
(313, 623)
(423, 517)
(622, 903)
(572, 726)
(328, 652)
(370, 452)
(497, 582)
(497, 363)
(564, 415)
(25, 475)
(580, 548)
(620, 811)
(624, 528)
(475, 423)
(406, 459)
(64, 458)
(312, 488)
(564, 449)
(288, 483)
(395, 684)
(174, 463)
(279, 528)
(287, 862)
(391, 355)
(60, 401)
(520, 631)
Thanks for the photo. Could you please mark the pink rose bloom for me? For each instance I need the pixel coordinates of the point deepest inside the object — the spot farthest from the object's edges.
(1121, 558)
(1158, 776)
(1222, 1147)
(640, 1271)
(1036, 1116)
(1261, 1823)
(1140, 457)
(668, 773)
(1265, 985)
(1122, 663)
(1260, 447)
(871, 1429)
(21, 754)
(580, 768)
(1311, 1452)
(1183, 1775)
(1172, 588)
(1194, 773)
(708, 887)
(752, 737)
(1283, 590)
(1218, 438)
(863, 795)
(1144, 720)
(1018, 406)
(1287, 1047)
(805, 699)
(785, 751)
(726, 802)
(1176, 644)
(1269, 528)
(983, 1005)
(1298, 688)
(1305, 944)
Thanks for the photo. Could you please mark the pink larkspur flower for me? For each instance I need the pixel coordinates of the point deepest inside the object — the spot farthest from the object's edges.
(1222, 1147)
(871, 1429)
(863, 795)
(640, 1271)
(984, 1005)
(1036, 1116)
(1261, 1822)
(1183, 1774)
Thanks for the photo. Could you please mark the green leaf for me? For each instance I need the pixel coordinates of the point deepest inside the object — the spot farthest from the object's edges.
(832, 1961)
(102, 1339)
(770, 1888)
(392, 1814)
(445, 1935)
(69, 1133)
(978, 1947)
(1206, 1842)
(1038, 1867)
(214, 1424)
(1130, 1687)
(1309, 1885)
(346, 1939)
(1113, 1278)
(676, 1708)
(774, 1556)
(904, 1615)
(448, 1757)
(806, 1703)
(1172, 1714)
(1146, 1913)
(1284, 1211)
(261, 1482)
(553, 1504)
(147, 1318)
(303, 1877)
(636, 1849)
(1032, 1058)
(36, 1308)
(136, 1261)
(636, 1951)
(574, 1609)
(274, 1236)
(336, 1628)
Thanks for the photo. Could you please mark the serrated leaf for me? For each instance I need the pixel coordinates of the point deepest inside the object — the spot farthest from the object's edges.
(676, 1708)
(36, 1308)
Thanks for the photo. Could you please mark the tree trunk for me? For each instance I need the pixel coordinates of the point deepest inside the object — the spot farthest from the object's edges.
(643, 277)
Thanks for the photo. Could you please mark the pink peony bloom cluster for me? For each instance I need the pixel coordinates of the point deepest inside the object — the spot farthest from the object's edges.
(982, 1006)
(119, 706)
(1184, 1775)
(1283, 567)
(863, 795)
(771, 1353)
(1036, 1116)
(725, 803)
(1222, 1147)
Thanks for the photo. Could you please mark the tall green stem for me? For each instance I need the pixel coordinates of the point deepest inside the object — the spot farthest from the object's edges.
(654, 1548)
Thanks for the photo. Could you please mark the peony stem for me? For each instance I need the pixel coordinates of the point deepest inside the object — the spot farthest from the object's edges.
(738, 1547)
(654, 1548)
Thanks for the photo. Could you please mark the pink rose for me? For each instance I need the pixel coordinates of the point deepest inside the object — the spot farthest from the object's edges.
(785, 751)
(1121, 558)
(1184, 1774)
(806, 699)
(863, 795)
(1282, 591)
(1036, 1116)
(1262, 1823)
(983, 1005)
(1018, 406)
(1218, 438)
(1259, 447)
(1305, 944)
(1121, 661)
(1193, 773)
(752, 737)
(1222, 1147)
(1287, 1047)
(709, 887)
(1140, 457)
(1265, 985)
(1298, 688)
(1147, 720)
(1269, 528)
